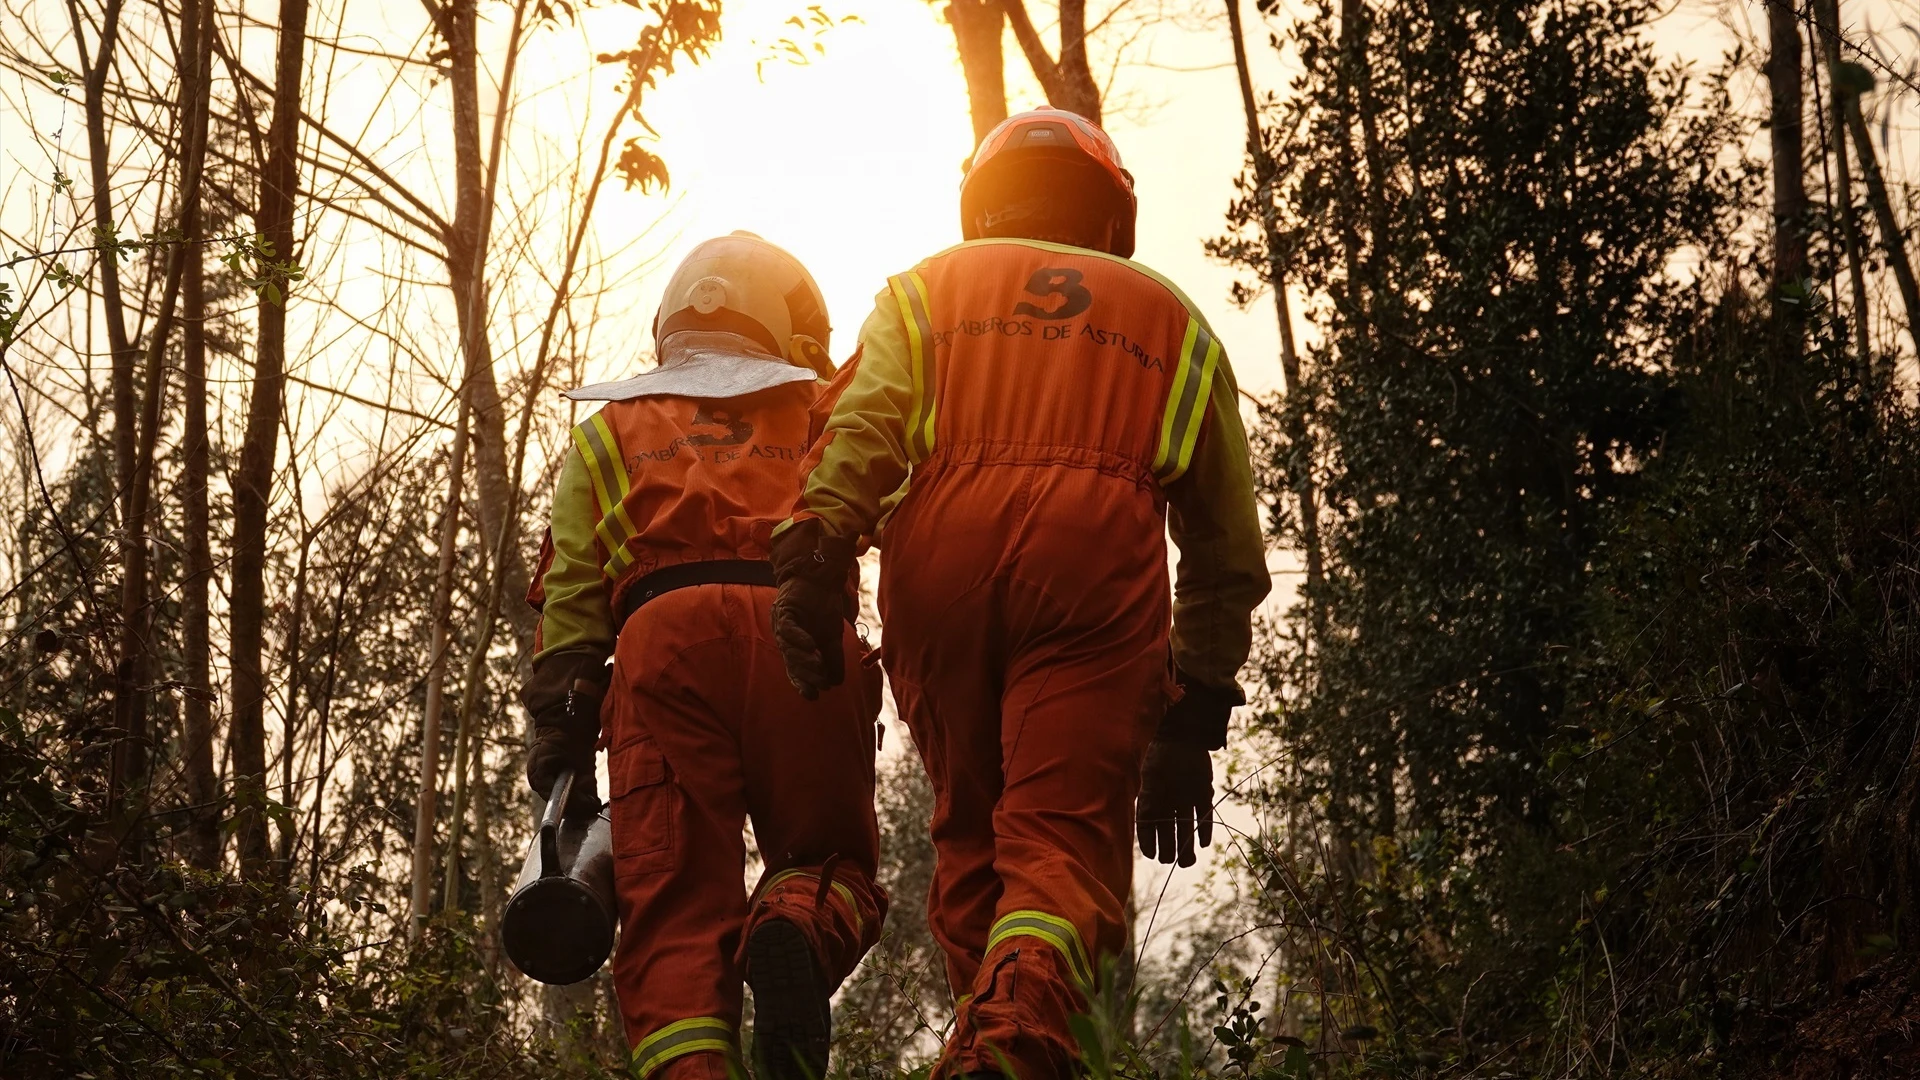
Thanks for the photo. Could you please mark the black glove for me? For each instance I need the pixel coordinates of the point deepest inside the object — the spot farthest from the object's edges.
(1200, 716)
(809, 615)
(566, 727)
(1176, 794)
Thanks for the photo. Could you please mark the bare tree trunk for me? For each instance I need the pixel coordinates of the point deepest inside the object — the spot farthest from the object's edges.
(253, 482)
(1891, 236)
(467, 740)
(466, 261)
(1788, 135)
(203, 818)
(1068, 82)
(1299, 439)
(474, 184)
(289, 723)
(422, 894)
(132, 761)
(94, 70)
(1827, 13)
(203, 828)
(1079, 92)
(977, 29)
(495, 493)
(466, 751)
(487, 872)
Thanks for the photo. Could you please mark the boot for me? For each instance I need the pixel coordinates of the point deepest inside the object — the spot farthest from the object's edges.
(792, 1012)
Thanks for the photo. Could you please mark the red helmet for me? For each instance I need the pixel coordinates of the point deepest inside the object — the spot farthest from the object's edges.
(1052, 172)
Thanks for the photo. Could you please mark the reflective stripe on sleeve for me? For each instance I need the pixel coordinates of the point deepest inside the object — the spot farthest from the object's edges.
(1186, 402)
(682, 1037)
(601, 451)
(1051, 929)
(910, 292)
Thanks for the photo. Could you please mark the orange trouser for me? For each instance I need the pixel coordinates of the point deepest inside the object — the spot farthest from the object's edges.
(1026, 611)
(706, 732)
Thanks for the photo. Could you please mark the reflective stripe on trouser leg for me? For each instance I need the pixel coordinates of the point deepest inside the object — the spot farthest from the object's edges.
(839, 889)
(701, 1034)
(1051, 929)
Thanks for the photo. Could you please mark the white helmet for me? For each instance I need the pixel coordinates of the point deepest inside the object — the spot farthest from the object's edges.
(741, 284)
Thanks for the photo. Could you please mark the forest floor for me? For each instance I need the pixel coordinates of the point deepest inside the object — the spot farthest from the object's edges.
(1870, 1030)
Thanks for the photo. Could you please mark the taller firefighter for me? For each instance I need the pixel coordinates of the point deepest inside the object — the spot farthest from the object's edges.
(1029, 415)
(657, 558)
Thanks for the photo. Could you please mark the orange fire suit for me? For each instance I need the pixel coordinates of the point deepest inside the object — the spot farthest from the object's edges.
(703, 728)
(1051, 411)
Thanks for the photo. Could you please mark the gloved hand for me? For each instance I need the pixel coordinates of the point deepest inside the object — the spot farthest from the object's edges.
(1202, 713)
(809, 614)
(1176, 796)
(566, 726)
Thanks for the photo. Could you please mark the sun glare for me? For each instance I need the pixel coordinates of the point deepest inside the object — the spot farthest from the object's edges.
(851, 162)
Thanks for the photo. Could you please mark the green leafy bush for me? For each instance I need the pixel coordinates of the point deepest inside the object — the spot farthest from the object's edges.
(111, 968)
(1592, 754)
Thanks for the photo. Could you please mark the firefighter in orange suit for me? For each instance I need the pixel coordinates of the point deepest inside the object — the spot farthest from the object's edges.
(1051, 409)
(657, 558)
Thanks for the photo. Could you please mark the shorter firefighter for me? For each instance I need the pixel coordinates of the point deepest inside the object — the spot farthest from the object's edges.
(657, 558)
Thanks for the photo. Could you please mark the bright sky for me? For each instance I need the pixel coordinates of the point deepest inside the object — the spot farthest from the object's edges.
(853, 163)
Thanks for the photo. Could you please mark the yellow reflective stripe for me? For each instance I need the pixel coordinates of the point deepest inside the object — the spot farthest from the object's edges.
(616, 527)
(846, 894)
(602, 454)
(783, 875)
(682, 1037)
(594, 470)
(1051, 929)
(1187, 400)
(910, 292)
(1196, 414)
(1183, 381)
(840, 889)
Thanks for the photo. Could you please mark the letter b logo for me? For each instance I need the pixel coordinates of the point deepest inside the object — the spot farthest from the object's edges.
(1056, 281)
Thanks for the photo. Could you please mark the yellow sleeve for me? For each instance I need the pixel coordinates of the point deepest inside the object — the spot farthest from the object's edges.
(578, 616)
(853, 473)
(1212, 518)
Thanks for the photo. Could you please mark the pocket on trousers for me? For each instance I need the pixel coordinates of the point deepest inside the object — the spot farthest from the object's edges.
(642, 808)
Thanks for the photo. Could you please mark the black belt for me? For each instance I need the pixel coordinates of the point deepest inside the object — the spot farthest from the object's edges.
(709, 572)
